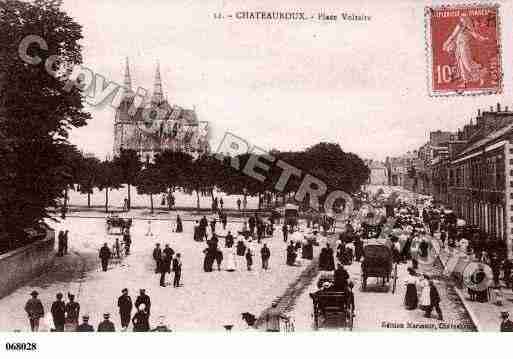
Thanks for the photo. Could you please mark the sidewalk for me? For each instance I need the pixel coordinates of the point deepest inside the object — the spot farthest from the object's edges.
(486, 316)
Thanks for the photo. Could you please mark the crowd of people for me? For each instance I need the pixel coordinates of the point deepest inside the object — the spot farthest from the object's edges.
(65, 315)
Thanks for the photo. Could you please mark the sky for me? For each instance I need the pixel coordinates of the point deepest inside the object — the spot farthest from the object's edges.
(284, 85)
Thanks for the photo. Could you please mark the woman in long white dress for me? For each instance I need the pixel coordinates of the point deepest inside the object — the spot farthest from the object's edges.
(230, 262)
(425, 300)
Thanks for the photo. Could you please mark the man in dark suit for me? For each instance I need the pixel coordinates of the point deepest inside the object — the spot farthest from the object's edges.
(157, 256)
(59, 313)
(125, 308)
(105, 255)
(106, 325)
(177, 268)
(85, 326)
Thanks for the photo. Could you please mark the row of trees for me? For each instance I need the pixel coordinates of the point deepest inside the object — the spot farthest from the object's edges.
(177, 171)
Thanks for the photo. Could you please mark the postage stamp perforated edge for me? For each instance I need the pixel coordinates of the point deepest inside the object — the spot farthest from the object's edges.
(429, 51)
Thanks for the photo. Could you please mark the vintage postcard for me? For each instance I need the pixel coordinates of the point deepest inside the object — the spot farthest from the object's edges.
(249, 167)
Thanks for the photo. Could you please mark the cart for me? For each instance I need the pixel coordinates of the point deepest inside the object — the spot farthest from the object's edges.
(329, 306)
(118, 225)
(377, 262)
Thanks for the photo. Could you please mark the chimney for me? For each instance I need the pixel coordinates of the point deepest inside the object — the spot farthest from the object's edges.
(498, 107)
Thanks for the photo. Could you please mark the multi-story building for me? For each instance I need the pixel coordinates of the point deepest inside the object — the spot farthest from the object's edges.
(155, 125)
(378, 173)
(480, 174)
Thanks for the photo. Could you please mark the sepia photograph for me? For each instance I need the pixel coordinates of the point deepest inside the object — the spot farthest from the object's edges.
(248, 167)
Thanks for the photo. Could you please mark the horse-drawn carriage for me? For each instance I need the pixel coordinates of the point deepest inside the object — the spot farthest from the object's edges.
(377, 262)
(114, 222)
(331, 305)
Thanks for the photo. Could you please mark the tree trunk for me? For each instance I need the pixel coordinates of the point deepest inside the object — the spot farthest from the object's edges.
(197, 200)
(88, 200)
(151, 203)
(106, 199)
(129, 199)
(65, 209)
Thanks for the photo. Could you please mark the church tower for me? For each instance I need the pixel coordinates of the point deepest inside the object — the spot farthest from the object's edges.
(124, 123)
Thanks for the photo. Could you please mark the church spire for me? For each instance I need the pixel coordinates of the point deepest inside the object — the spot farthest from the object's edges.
(127, 81)
(158, 95)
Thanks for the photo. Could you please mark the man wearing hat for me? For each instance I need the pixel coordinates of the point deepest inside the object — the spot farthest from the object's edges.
(125, 308)
(85, 326)
(106, 325)
(72, 311)
(35, 311)
(58, 313)
(506, 324)
(105, 255)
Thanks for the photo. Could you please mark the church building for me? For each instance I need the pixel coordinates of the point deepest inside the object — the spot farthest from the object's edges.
(151, 125)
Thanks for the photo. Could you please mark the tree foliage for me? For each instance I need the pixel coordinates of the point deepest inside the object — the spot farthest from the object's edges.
(36, 113)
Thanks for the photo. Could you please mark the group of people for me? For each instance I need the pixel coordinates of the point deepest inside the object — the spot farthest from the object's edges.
(62, 243)
(166, 261)
(65, 316)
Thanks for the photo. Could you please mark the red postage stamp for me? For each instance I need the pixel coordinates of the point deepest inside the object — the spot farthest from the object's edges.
(464, 50)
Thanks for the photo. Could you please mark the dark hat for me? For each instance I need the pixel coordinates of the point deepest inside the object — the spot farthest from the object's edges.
(85, 317)
(106, 315)
(124, 290)
(34, 292)
(504, 315)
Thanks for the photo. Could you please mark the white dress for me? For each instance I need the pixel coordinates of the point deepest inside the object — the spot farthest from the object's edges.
(425, 299)
(230, 263)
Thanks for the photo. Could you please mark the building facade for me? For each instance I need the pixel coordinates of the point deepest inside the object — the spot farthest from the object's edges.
(155, 125)
(378, 173)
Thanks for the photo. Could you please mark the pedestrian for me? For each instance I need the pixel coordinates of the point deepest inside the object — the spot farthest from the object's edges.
(85, 326)
(58, 313)
(149, 231)
(177, 269)
(157, 257)
(273, 318)
(241, 247)
(127, 241)
(35, 311)
(66, 238)
(164, 267)
(117, 249)
(169, 252)
(425, 297)
(106, 325)
(410, 298)
(435, 301)
(266, 254)
(60, 244)
(105, 255)
(143, 298)
(238, 204)
(141, 319)
(506, 324)
(249, 259)
(72, 312)
(179, 225)
(230, 264)
(221, 203)
(340, 278)
(228, 240)
(125, 308)
(219, 258)
(291, 254)
(285, 232)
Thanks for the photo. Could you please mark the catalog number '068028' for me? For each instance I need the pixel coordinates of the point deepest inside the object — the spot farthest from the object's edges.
(20, 346)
